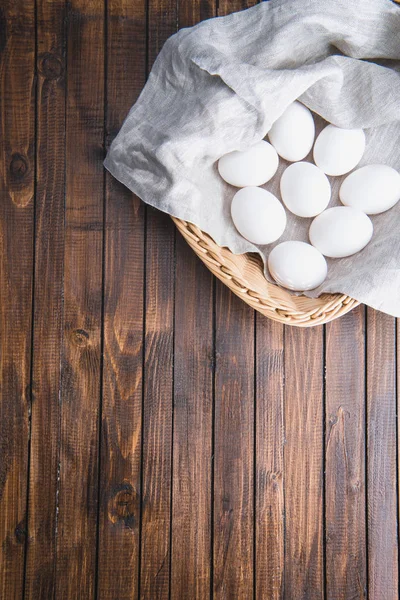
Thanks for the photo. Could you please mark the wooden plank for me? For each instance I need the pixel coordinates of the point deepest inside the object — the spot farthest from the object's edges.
(233, 552)
(226, 7)
(270, 439)
(192, 12)
(158, 399)
(303, 463)
(81, 361)
(162, 23)
(158, 373)
(17, 168)
(398, 426)
(119, 522)
(48, 316)
(346, 568)
(193, 404)
(381, 457)
(234, 447)
(193, 409)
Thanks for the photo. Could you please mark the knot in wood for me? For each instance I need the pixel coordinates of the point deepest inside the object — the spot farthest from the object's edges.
(333, 420)
(122, 506)
(19, 167)
(51, 66)
(81, 337)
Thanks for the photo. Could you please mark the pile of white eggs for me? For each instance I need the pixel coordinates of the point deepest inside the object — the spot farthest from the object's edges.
(336, 232)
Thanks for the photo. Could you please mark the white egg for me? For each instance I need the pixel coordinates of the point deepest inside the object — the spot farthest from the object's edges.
(340, 231)
(297, 266)
(292, 135)
(252, 167)
(337, 151)
(305, 189)
(258, 215)
(372, 189)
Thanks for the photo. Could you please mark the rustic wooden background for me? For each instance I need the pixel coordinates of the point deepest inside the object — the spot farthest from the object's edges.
(158, 439)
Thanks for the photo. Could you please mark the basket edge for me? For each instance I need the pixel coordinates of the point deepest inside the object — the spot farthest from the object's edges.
(207, 250)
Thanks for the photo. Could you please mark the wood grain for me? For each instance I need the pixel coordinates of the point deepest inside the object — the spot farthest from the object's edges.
(398, 430)
(226, 7)
(303, 463)
(163, 442)
(192, 12)
(383, 576)
(192, 444)
(48, 314)
(233, 552)
(119, 522)
(234, 447)
(269, 468)
(193, 405)
(157, 410)
(158, 374)
(17, 168)
(157, 418)
(81, 360)
(346, 562)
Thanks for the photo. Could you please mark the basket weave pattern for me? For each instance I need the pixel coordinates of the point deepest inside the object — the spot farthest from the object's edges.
(243, 274)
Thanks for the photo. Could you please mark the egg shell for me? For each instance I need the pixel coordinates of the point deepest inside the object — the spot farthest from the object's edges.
(297, 266)
(337, 151)
(305, 189)
(340, 231)
(252, 167)
(293, 133)
(372, 189)
(258, 215)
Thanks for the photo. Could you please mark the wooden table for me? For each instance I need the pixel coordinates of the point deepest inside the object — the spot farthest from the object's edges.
(158, 439)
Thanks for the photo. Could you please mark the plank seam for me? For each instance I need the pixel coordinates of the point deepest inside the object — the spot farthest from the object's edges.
(366, 450)
(324, 536)
(146, 73)
(396, 387)
(26, 526)
(172, 429)
(214, 350)
(103, 269)
(62, 349)
(213, 387)
(283, 409)
(255, 458)
(173, 391)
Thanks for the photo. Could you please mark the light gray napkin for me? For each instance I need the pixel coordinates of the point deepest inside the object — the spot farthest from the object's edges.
(220, 85)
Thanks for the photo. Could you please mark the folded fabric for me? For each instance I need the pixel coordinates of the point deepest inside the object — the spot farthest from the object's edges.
(220, 85)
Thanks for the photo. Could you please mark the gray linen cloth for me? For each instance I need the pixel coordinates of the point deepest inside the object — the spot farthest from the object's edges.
(220, 85)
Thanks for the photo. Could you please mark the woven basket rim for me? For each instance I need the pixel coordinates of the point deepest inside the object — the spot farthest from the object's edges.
(243, 274)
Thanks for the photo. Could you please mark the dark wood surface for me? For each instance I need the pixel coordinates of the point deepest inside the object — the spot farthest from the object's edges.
(158, 439)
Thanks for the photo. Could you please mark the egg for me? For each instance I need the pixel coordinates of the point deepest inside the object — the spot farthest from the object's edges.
(252, 167)
(297, 266)
(258, 215)
(340, 231)
(337, 151)
(305, 189)
(292, 135)
(372, 189)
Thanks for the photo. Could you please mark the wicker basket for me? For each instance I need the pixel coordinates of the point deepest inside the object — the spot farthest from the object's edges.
(243, 274)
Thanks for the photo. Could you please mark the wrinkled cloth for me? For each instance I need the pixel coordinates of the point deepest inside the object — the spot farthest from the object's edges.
(220, 85)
